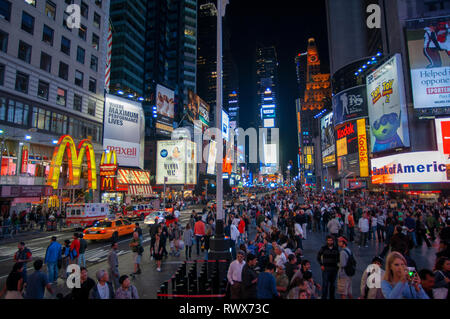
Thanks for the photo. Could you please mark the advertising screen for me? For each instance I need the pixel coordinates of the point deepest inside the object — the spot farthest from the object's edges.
(443, 135)
(124, 126)
(225, 126)
(387, 107)
(350, 104)
(327, 140)
(192, 109)
(270, 154)
(165, 109)
(418, 167)
(269, 123)
(212, 154)
(176, 160)
(429, 62)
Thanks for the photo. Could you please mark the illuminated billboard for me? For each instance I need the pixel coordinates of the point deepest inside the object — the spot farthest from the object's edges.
(269, 123)
(429, 62)
(350, 104)
(418, 167)
(212, 154)
(177, 161)
(387, 107)
(443, 135)
(165, 109)
(225, 126)
(327, 140)
(124, 127)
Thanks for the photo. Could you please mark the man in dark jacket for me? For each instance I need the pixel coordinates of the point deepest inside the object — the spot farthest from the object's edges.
(249, 277)
(328, 258)
(103, 289)
(83, 246)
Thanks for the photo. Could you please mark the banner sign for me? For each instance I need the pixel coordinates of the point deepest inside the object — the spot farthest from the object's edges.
(133, 177)
(124, 130)
(350, 104)
(328, 140)
(443, 135)
(417, 167)
(362, 148)
(387, 107)
(177, 162)
(24, 167)
(429, 62)
(165, 107)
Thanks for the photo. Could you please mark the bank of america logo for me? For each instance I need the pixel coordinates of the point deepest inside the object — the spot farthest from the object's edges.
(164, 153)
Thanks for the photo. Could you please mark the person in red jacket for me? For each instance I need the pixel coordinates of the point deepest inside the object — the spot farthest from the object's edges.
(199, 232)
(241, 228)
(74, 250)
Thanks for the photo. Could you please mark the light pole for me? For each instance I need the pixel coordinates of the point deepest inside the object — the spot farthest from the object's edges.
(343, 187)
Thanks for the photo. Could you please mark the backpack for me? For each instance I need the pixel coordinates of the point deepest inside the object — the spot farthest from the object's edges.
(350, 267)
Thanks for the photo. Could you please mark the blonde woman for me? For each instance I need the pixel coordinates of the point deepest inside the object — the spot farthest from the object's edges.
(397, 282)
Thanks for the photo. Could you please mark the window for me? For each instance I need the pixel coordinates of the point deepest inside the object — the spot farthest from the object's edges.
(93, 85)
(18, 112)
(65, 45)
(47, 35)
(43, 89)
(2, 74)
(91, 107)
(79, 78)
(82, 31)
(95, 41)
(31, 2)
(61, 95)
(84, 9)
(63, 71)
(94, 63)
(24, 52)
(50, 9)
(68, 1)
(5, 10)
(22, 82)
(80, 55)
(77, 102)
(27, 22)
(66, 17)
(98, 3)
(97, 19)
(46, 62)
(3, 41)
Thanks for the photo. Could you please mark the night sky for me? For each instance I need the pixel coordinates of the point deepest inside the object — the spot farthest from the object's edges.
(288, 25)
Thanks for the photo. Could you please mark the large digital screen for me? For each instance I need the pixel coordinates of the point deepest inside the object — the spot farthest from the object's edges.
(124, 126)
(270, 154)
(269, 123)
(225, 126)
(327, 140)
(443, 135)
(418, 167)
(165, 108)
(387, 107)
(177, 161)
(350, 104)
(212, 154)
(429, 62)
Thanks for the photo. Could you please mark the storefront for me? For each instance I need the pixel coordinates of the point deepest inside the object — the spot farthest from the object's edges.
(20, 198)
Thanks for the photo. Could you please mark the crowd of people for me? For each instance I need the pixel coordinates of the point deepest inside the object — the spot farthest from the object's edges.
(269, 240)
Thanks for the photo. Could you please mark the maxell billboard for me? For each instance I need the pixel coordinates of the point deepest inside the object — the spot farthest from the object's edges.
(124, 126)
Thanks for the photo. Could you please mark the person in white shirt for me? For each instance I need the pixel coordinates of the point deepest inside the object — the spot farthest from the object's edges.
(234, 232)
(298, 235)
(103, 289)
(177, 213)
(280, 258)
(363, 226)
(235, 275)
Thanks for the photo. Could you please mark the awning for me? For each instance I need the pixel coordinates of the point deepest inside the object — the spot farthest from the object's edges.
(140, 190)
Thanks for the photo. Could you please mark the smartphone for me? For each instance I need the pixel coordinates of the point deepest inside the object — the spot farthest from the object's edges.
(411, 272)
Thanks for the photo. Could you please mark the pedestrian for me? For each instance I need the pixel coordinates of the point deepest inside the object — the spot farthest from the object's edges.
(207, 238)
(37, 282)
(234, 232)
(333, 227)
(113, 265)
(156, 250)
(381, 220)
(364, 228)
(138, 229)
(421, 232)
(53, 257)
(328, 258)
(188, 238)
(298, 235)
(410, 224)
(82, 251)
(103, 289)
(397, 282)
(199, 232)
(369, 290)
(346, 270)
(74, 249)
(266, 286)
(23, 255)
(126, 289)
(234, 275)
(87, 283)
(65, 253)
(249, 278)
(137, 249)
(14, 283)
(282, 281)
(442, 278)
(428, 281)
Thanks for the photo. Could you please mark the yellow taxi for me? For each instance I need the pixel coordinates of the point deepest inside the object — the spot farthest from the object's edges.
(109, 229)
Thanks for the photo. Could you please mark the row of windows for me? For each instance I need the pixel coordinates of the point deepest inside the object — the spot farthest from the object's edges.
(32, 116)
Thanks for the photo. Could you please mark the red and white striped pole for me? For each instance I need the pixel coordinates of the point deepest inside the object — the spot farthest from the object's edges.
(108, 59)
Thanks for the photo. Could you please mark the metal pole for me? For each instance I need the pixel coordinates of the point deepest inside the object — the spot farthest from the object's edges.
(219, 170)
(164, 198)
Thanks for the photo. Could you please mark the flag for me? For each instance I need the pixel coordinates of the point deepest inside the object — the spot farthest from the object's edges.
(108, 58)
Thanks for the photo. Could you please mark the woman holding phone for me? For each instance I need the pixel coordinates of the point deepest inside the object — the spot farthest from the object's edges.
(399, 282)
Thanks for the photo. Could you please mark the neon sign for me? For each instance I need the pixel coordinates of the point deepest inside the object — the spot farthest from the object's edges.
(75, 157)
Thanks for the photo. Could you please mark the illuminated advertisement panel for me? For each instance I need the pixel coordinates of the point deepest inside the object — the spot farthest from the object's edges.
(165, 108)
(225, 126)
(417, 167)
(269, 123)
(387, 107)
(176, 160)
(429, 62)
(350, 104)
(327, 140)
(212, 154)
(443, 135)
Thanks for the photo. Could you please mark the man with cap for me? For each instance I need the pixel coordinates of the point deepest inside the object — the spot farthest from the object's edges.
(374, 269)
(249, 277)
(23, 255)
(235, 275)
(52, 256)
